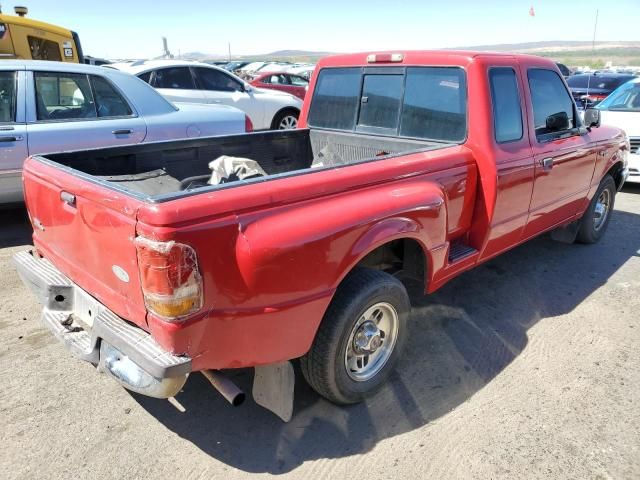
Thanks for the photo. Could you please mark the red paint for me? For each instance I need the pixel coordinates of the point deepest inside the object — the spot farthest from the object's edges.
(262, 81)
(272, 254)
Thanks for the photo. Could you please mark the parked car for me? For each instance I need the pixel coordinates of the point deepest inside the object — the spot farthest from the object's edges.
(53, 106)
(588, 89)
(235, 65)
(194, 82)
(622, 109)
(407, 165)
(283, 82)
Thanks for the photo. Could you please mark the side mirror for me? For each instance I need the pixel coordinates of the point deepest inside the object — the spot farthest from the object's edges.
(247, 88)
(557, 122)
(592, 118)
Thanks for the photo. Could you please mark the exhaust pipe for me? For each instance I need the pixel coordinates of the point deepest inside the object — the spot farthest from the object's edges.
(226, 387)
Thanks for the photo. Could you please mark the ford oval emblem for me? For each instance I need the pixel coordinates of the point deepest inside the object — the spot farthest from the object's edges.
(120, 273)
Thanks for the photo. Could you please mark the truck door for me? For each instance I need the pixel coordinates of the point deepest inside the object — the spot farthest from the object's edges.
(514, 168)
(13, 136)
(564, 154)
(70, 111)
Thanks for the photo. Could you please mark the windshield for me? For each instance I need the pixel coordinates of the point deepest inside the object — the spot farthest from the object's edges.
(625, 98)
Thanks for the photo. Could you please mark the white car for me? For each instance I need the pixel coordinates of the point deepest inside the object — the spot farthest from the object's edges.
(195, 82)
(50, 106)
(622, 109)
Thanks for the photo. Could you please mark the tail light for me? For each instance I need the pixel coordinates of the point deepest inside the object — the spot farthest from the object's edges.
(171, 282)
(248, 126)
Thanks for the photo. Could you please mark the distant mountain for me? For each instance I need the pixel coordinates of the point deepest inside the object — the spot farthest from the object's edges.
(296, 53)
(551, 45)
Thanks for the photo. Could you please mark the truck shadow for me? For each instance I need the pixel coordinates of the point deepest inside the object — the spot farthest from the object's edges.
(15, 228)
(460, 339)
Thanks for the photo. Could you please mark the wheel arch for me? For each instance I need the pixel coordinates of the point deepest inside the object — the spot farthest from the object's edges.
(282, 111)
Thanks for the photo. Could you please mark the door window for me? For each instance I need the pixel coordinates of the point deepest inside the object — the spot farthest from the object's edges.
(146, 76)
(178, 77)
(7, 97)
(549, 97)
(42, 49)
(278, 79)
(212, 79)
(63, 96)
(298, 81)
(109, 103)
(507, 112)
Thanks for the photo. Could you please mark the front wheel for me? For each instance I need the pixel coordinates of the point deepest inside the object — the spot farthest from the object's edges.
(596, 219)
(360, 338)
(285, 120)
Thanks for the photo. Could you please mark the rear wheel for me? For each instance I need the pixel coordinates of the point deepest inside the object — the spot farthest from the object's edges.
(596, 219)
(286, 120)
(360, 338)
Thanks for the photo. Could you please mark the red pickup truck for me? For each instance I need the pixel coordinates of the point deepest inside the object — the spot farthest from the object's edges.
(406, 165)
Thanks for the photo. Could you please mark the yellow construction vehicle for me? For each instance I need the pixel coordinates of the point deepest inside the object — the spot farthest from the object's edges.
(24, 38)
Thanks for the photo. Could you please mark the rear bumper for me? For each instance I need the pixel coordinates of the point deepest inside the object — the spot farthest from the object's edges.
(93, 333)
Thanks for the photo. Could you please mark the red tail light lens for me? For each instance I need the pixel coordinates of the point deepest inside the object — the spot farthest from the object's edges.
(248, 126)
(170, 279)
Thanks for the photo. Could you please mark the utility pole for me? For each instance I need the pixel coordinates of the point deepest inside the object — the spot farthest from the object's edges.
(229, 50)
(593, 41)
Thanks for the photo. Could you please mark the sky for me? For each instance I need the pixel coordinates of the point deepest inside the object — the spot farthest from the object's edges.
(134, 28)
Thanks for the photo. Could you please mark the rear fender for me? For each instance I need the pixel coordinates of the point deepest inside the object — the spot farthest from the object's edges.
(310, 248)
(426, 223)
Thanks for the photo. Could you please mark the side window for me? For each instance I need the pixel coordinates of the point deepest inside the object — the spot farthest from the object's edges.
(266, 80)
(109, 103)
(335, 98)
(146, 76)
(178, 77)
(211, 79)
(507, 112)
(7, 97)
(549, 98)
(42, 49)
(63, 96)
(298, 81)
(380, 102)
(435, 104)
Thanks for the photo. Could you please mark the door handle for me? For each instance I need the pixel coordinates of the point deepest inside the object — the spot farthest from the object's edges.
(15, 138)
(216, 101)
(68, 198)
(547, 163)
(122, 131)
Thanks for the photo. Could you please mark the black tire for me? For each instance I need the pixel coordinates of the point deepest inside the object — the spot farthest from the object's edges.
(276, 124)
(588, 232)
(324, 365)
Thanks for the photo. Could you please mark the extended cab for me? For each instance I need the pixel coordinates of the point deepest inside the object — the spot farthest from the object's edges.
(406, 165)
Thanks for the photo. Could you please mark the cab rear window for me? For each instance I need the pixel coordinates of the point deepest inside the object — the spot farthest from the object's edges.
(414, 102)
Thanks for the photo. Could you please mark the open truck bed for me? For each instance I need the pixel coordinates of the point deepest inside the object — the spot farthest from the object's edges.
(163, 171)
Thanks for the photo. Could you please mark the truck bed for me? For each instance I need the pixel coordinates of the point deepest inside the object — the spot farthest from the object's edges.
(162, 171)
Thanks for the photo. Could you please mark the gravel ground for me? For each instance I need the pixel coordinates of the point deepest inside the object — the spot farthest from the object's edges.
(526, 367)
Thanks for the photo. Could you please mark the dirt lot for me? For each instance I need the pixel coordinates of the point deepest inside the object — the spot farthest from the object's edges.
(527, 367)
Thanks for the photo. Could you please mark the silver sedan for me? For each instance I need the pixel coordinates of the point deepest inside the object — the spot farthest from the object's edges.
(50, 107)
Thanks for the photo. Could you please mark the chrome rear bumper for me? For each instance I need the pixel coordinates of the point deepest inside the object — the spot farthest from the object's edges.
(95, 334)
